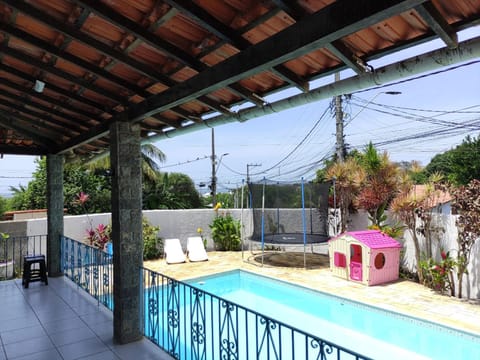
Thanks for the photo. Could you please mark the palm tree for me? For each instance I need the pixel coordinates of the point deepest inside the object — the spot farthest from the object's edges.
(349, 177)
(151, 157)
(381, 183)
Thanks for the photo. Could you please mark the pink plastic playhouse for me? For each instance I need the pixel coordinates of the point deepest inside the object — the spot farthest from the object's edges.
(369, 257)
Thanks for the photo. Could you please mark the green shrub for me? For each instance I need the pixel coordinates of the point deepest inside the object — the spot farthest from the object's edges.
(226, 233)
(438, 275)
(152, 244)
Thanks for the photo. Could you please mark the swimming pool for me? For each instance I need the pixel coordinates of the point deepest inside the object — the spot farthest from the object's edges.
(370, 331)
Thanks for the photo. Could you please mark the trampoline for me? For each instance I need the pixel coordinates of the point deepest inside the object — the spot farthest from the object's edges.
(289, 214)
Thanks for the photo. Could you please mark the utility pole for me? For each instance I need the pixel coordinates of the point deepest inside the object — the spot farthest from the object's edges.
(213, 186)
(339, 145)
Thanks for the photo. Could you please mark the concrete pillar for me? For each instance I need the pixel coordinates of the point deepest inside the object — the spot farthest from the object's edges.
(54, 213)
(125, 160)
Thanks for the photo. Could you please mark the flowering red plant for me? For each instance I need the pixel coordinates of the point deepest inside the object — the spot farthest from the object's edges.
(96, 237)
(82, 198)
(99, 237)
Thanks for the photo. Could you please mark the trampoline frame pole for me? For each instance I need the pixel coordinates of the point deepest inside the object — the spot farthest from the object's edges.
(263, 217)
(241, 221)
(334, 207)
(304, 221)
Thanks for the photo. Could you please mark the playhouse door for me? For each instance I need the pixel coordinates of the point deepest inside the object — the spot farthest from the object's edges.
(356, 271)
(356, 262)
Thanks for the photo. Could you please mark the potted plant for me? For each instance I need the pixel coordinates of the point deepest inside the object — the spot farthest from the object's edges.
(6, 262)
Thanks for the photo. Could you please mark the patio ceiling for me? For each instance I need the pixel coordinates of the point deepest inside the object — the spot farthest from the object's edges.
(170, 64)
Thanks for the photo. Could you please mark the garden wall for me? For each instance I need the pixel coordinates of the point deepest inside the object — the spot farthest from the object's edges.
(184, 223)
(173, 224)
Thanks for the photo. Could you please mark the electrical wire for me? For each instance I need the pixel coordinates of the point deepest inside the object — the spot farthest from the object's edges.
(419, 77)
(186, 162)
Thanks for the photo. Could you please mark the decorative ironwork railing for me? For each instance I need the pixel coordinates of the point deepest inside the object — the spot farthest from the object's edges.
(193, 324)
(89, 268)
(14, 248)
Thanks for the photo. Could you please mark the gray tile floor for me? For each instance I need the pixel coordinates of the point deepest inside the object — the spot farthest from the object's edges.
(60, 321)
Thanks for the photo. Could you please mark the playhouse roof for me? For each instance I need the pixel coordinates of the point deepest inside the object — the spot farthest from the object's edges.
(374, 239)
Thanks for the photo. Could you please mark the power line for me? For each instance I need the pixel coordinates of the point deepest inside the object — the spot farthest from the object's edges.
(186, 162)
(298, 145)
(419, 77)
(15, 177)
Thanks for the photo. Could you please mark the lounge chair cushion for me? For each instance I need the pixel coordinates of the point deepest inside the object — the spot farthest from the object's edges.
(173, 251)
(196, 249)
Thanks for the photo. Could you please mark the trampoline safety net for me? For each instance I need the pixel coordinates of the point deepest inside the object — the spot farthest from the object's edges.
(278, 213)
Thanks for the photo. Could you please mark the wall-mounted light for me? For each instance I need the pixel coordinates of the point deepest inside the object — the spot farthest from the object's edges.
(39, 86)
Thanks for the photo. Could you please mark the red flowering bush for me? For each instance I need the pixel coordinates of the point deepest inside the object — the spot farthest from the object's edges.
(99, 236)
(438, 275)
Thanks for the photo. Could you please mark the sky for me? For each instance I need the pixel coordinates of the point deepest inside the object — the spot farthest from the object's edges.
(432, 114)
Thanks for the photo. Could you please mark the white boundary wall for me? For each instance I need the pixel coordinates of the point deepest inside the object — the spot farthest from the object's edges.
(173, 224)
(184, 223)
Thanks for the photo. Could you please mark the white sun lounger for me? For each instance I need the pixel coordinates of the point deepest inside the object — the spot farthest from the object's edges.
(196, 249)
(173, 251)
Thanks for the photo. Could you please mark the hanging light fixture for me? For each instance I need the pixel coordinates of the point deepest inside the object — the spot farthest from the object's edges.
(39, 86)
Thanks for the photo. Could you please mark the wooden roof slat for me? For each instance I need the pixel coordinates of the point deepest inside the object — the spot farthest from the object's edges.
(24, 36)
(78, 35)
(154, 41)
(61, 74)
(437, 23)
(140, 32)
(148, 37)
(291, 7)
(337, 47)
(8, 122)
(36, 114)
(169, 63)
(228, 35)
(32, 104)
(341, 51)
(67, 106)
(314, 32)
(55, 88)
(48, 127)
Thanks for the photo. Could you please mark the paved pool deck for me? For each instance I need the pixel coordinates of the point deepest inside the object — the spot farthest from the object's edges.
(402, 296)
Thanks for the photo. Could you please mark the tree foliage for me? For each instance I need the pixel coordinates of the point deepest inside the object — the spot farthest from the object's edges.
(349, 176)
(171, 191)
(459, 165)
(380, 184)
(466, 201)
(75, 180)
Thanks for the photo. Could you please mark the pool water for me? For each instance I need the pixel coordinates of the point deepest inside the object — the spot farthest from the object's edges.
(370, 331)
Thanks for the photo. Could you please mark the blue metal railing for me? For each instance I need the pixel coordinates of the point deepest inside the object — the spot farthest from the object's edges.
(193, 324)
(14, 248)
(89, 268)
(190, 323)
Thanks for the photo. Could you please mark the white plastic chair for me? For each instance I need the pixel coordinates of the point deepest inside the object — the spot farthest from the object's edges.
(173, 251)
(196, 249)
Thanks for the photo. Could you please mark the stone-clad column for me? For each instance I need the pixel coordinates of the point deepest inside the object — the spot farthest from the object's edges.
(125, 159)
(54, 213)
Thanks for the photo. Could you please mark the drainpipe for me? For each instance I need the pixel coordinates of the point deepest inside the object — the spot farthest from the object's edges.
(427, 62)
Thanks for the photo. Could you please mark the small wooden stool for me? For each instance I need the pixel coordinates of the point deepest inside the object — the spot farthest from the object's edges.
(31, 273)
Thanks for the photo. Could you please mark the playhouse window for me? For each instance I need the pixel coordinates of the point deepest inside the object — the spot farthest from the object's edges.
(379, 261)
(339, 260)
